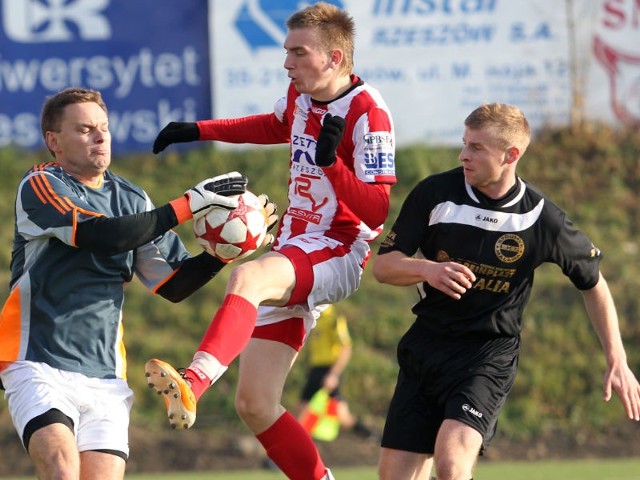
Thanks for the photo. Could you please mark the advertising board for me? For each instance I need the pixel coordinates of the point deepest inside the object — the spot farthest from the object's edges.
(149, 58)
(436, 60)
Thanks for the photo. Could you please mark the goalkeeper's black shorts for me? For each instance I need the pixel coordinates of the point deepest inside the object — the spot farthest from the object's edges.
(465, 379)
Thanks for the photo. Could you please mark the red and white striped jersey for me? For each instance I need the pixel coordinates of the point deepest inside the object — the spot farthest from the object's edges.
(347, 201)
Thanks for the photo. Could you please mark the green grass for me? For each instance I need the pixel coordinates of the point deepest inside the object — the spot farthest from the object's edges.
(364, 473)
(622, 469)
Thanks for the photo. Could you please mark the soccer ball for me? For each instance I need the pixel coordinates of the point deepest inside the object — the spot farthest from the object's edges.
(233, 234)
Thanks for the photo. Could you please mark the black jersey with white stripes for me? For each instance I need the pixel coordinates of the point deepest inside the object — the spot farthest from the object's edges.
(502, 241)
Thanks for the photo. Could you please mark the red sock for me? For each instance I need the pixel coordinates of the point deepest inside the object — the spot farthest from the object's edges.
(198, 381)
(230, 330)
(292, 450)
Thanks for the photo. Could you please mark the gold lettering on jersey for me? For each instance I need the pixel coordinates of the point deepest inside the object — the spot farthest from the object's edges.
(509, 248)
(390, 240)
(492, 285)
(490, 278)
(489, 270)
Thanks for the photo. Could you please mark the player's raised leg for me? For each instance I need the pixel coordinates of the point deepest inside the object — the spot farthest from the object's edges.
(169, 382)
(227, 335)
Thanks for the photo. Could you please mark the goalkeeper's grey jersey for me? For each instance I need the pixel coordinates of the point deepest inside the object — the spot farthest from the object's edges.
(65, 304)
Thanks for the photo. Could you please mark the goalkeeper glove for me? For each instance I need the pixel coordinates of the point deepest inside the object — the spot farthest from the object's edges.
(176, 132)
(228, 184)
(328, 140)
(215, 192)
(272, 218)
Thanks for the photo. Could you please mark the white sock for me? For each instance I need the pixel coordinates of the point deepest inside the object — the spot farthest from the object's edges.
(328, 475)
(209, 365)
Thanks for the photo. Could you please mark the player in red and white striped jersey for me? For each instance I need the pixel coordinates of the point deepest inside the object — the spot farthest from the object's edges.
(342, 145)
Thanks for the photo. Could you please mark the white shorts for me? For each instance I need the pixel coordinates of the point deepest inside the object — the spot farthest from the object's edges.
(337, 272)
(99, 407)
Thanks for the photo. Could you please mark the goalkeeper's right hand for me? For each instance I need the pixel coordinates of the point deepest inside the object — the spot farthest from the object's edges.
(215, 192)
(176, 132)
(272, 218)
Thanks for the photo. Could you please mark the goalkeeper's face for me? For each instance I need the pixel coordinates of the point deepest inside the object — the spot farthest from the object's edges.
(82, 144)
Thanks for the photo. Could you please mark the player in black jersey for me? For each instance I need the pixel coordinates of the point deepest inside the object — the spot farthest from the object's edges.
(471, 239)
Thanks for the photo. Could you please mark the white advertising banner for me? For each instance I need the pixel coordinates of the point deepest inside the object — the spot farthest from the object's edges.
(436, 60)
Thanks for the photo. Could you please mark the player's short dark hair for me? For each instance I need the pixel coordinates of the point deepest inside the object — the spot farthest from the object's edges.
(53, 108)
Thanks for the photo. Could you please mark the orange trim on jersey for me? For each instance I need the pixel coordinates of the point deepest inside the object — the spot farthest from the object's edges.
(181, 208)
(50, 192)
(68, 202)
(74, 224)
(157, 287)
(42, 194)
(74, 228)
(46, 193)
(42, 182)
(10, 327)
(36, 190)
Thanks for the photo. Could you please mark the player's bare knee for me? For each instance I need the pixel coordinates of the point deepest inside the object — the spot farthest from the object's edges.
(56, 466)
(450, 469)
(252, 408)
(244, 278)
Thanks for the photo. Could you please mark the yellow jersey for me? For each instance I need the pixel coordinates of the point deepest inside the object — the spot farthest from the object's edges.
(328, 338)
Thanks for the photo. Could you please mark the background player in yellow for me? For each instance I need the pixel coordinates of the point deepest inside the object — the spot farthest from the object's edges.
(330, 349)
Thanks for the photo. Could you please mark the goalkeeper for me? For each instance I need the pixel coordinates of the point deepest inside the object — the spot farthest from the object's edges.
(81, 234)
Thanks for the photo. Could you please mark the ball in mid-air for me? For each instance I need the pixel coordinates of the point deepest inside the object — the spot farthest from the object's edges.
(233, 234)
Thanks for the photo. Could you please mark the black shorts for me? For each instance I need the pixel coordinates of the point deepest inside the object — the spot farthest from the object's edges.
(464, 379)
(315, 378)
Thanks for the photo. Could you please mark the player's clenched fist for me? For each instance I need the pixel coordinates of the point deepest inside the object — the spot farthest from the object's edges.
(328, 140)
(176, 132)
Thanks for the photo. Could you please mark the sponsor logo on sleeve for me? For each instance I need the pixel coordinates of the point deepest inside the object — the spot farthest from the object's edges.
(469, 409)
(374, 140)
(379, 163)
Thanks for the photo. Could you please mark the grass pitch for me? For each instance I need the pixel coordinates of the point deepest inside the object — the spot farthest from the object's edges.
(621, 469)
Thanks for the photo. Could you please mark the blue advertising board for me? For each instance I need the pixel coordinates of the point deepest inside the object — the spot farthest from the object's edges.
(149, 58)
